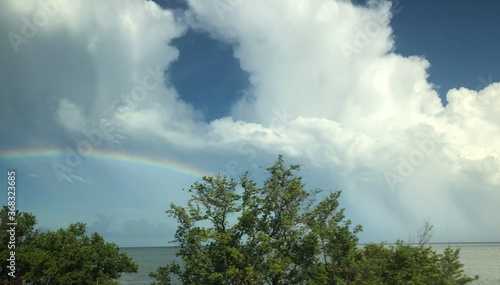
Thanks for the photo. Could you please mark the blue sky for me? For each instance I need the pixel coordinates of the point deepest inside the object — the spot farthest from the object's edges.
(110, 109)
(455, 36)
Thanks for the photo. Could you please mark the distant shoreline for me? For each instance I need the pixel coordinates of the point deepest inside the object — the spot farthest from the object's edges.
(361, 244)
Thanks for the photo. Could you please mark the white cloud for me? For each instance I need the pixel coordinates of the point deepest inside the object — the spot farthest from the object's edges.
(69, 116)
(327, 90)
(360, 114)
(101, 56)
(71, 178)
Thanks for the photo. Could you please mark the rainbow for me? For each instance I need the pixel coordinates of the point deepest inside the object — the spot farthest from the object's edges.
(113, 156)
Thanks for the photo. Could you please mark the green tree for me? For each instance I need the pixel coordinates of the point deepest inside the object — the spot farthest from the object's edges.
(403, 264)
(69, 256)
(66, 256)
(234, 232)
(337, 241)
(24, 234)
(260, 235)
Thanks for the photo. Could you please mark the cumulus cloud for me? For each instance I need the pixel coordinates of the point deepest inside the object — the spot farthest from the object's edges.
(103, 225)
(104, 58)
(361, 111)
(127, 233)
(327, 90)
(69, 116)
(142, 228)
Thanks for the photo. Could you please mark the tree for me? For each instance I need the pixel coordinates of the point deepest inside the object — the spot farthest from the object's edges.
(66, 256)
(69, 256)
(337, 241)
(425, 233)
(264, 235)
(24, 233)
(234, 232)
(402, 264)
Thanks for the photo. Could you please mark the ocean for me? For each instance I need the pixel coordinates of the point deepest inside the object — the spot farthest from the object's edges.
(481, 259)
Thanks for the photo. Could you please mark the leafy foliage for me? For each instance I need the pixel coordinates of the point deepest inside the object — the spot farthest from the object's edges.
(66, 256)
(408, 264)
(233, 232)
(71, 257)
(260, 235)
(25, 232)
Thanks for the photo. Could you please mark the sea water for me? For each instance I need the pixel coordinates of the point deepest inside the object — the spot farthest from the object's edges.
(481, 259)
(148, 259)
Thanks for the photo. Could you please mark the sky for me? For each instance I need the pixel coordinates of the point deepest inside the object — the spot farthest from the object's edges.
(111, 110)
